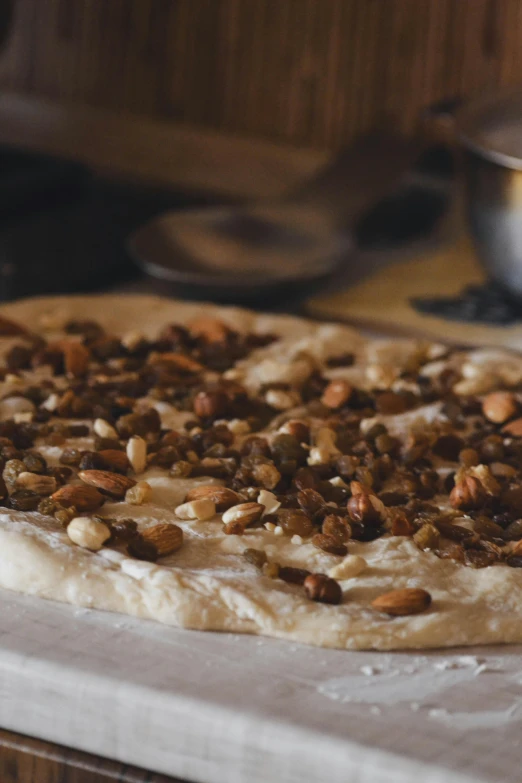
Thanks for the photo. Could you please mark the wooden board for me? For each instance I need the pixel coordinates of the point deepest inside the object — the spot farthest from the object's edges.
(382, 301)
(219, 708)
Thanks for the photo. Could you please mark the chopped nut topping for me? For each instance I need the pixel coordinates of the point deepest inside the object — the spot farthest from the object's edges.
(139, 494)
(201, 508)
(346, 470)
(324, 449)
(137, 453)
(351, 566)
(269, 501)
(88, 533)
(467, 494)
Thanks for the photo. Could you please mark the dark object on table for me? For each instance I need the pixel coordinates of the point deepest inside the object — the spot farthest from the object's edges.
(63, 229)
(415, 207)
(488, 303)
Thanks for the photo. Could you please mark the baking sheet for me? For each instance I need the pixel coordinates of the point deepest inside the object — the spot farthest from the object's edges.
(221, 707)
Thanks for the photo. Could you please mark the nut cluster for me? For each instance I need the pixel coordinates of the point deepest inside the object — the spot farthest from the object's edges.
(307, 458)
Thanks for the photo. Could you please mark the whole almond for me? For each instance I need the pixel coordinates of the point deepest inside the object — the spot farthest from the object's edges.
(82, 497)
(115, 460)
(222, 496)
(336, 394)
(76, 358)
(166, 538)
(410, 600)
(514, 428)
(113, 484)
(499, 406)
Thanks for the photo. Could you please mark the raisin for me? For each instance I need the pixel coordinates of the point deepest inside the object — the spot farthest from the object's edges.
(256, 557)
(295, 576)
(329, 544)
(24, 500)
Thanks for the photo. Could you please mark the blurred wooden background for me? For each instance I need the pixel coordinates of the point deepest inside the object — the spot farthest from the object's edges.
(307, 72)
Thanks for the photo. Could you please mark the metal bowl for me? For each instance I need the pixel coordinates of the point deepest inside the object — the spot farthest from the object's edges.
(489, 133)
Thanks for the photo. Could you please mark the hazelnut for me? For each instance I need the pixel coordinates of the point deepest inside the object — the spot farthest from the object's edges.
(210, 404)
(468, 493)
(323, 589)
(499, 406)
(365, 508)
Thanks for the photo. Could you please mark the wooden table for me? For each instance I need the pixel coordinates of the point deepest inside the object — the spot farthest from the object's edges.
(28, 760)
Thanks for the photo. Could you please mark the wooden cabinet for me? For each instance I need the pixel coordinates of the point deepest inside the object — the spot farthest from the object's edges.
(308, 72)
(26, 760)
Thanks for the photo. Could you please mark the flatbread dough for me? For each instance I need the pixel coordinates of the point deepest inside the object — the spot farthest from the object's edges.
(208, 584)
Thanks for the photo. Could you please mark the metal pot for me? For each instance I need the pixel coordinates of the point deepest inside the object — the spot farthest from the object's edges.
(489, 139)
